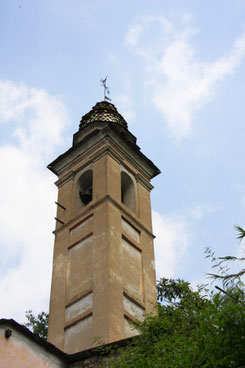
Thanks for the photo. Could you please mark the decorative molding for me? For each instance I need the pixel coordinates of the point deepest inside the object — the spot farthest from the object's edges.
(113, 141)
(130, 317)
(106, 150)
(86, 211)
(80, 241)
(137, 247)
(82, 316)
(78, 296)
(133, 299)
(145, 183)
(107, 135)
(65, 179)
(80, 222)
(133, 226)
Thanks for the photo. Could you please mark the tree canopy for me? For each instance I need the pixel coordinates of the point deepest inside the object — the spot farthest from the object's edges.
(39, 324)
(203, 328)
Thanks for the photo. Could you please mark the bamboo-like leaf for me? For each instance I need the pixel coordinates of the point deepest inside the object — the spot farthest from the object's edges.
(241, 232)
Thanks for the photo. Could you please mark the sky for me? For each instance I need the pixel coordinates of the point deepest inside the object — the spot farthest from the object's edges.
(176, 72)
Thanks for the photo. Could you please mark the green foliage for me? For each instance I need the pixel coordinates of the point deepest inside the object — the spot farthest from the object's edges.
(39, 324)
(222, 265)
(200, 329)
(241, 232)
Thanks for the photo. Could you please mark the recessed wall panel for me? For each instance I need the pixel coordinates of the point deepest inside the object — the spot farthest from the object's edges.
(83, 227)
(132, 269)
(130, 230)
(129, 330)
(133, 308)
(79, 335)
(79, 268)
(79, 307)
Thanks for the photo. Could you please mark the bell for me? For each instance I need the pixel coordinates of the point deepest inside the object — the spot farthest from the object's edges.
(86, 195)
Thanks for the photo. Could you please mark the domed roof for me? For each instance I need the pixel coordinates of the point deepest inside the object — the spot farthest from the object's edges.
(103, 112)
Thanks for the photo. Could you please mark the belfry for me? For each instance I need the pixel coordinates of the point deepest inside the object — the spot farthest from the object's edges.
(103, 263)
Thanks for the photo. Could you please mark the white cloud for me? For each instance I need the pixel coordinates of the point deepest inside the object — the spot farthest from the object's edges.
(174, 237)
(37, 121)
(133, 34)
(186, 18)
(125, 105)
(44, 117)
(178, 82)
(170, 244)
(200, 211)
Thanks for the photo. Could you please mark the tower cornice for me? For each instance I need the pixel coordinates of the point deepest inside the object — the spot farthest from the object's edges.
(117, 138)
(88, 211)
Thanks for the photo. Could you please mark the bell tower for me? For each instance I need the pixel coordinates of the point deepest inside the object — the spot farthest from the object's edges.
(103, 263)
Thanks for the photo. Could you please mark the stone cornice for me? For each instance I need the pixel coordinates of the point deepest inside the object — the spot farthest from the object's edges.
(88, 210)
(65, 179)
(106, 149)
(119, 143)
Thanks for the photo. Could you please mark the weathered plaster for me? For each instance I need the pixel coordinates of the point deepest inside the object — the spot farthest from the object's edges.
(19, 352)
(130, 230)
(79, 307)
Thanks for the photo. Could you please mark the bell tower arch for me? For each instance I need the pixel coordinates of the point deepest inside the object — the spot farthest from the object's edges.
(103, 263)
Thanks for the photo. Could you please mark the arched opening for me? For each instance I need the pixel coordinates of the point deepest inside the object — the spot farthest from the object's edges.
(127, 191)
(85, 187)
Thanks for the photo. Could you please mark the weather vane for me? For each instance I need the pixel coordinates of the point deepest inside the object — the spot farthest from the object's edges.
(106, 89)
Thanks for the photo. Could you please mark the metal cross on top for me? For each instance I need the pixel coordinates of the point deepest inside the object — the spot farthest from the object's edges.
(106, 89)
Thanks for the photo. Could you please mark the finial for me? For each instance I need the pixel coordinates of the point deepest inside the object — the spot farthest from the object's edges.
(106, 89)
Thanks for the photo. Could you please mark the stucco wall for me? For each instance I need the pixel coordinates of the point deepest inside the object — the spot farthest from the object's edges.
(20, 352)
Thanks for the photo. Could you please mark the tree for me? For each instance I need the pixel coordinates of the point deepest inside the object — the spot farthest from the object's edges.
(39, 324)
(220, 263)
(203, 328)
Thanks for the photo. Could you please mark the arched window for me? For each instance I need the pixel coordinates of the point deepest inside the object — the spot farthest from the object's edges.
(85, 188)
(127, 191)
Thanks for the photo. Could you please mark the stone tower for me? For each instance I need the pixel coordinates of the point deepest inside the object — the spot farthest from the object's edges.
(103, 263)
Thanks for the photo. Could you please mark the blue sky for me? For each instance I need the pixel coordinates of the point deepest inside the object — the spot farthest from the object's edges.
(176, 70)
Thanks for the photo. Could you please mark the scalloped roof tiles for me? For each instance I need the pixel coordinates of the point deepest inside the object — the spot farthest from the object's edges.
(103, 112)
